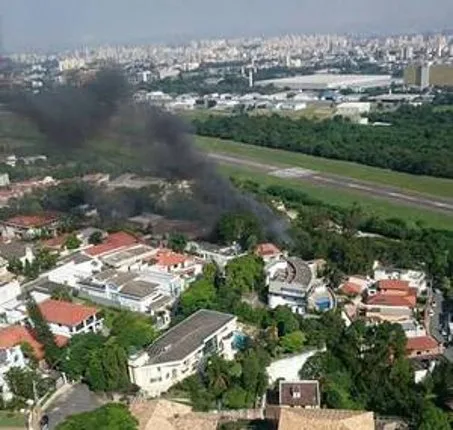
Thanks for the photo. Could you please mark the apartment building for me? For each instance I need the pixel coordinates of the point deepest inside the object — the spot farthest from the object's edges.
(183, 350)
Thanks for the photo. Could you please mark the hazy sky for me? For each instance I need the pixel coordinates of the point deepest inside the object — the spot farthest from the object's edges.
(50, 24)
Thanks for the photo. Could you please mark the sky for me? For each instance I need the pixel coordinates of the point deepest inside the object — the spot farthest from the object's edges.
(55, 24)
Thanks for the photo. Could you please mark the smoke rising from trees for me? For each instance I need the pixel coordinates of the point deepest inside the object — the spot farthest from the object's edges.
(69, 116)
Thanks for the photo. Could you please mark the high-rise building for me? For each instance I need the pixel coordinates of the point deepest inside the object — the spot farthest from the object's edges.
(426, 75)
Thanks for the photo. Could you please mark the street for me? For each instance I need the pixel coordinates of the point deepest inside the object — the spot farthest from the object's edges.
(78, 399)
(439, 322)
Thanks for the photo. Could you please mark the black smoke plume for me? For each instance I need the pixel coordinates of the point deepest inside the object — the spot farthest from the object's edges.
(70, 116)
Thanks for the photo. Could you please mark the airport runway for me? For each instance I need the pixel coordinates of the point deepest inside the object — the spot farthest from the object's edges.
(393, 194)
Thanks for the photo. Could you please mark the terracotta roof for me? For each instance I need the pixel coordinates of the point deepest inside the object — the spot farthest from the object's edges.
(409, 300)
(351, 289)
(166, 257)
(264, 249)
(16, 334)
(65, 313)
(393, 284)
(56, 242)
(421, 343)
(299, 393)
(323, 419)
(29, 221)
(114, 242)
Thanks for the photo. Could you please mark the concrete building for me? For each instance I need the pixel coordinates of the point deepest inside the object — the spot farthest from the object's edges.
(290, 282)
(183, 350)
(302, 394)
(210, 252)
(325, 81)
(414, 278)
(29, 226)
(68, 319)
(353, 108)
(427, 75)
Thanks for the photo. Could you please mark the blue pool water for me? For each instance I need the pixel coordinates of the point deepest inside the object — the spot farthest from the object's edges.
(239, 340)
(323, 304)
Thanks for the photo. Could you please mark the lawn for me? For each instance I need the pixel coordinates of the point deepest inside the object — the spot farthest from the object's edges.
(422, 184)
(12, 420)
(371, 205)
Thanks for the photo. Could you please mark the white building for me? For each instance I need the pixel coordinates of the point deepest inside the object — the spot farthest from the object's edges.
(183, 350)
(68, 319)
(353, 108)
(71, 270)
(211, 253)
(150, 293)
(290, 283)
(417, 279)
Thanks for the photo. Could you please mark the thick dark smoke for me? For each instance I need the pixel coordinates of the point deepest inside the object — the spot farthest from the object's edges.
(69, 116)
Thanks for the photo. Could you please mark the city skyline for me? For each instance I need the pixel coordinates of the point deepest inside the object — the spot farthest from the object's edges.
(52, 25)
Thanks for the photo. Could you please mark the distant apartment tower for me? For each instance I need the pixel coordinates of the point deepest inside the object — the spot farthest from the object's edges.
(426, 75)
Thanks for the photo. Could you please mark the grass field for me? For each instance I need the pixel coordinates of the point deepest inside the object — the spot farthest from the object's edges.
(421, 184)
(371, 205)
(12, 420)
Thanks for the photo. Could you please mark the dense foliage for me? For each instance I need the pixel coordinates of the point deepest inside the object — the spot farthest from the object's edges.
(113, 416)
(418, 141)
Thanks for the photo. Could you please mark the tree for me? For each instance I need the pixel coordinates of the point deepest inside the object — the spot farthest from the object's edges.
(285, 320)
(95, 238)
(21, 381)
(239, 227)
(132, 331)
(43, 333)
(79, 352)
(113, 416)
(15, 266)
(177, 242)
(235, 398)
(62, 293)
(95, 376)
(293, 342)
(433, 418)
(200, 295)
(72, 242)
(245, 274)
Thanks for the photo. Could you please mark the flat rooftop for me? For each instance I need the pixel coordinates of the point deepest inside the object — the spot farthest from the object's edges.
(184, 338)
(117, 257)
(324, 81)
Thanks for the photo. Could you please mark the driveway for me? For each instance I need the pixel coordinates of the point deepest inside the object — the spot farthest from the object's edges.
(76, 400)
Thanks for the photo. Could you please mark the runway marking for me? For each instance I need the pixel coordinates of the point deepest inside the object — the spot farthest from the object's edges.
(292, 172)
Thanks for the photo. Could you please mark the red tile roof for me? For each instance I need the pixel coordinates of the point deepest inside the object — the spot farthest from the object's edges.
(114, 242)
(266, 249)
(391, 300)
(56, 242)
(16, 334)
(66, 313)
(30, 221)
(351, 289)
(166, 257)
(421, 343)
(393, 284)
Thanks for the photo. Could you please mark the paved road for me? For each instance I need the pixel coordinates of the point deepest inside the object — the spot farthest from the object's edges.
(405, 197)
(438, 323)
(77, 399)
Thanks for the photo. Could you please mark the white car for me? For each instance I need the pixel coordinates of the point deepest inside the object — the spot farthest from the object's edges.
(431, 313)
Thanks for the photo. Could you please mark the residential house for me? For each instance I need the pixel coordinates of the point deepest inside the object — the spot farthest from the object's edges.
(394, 301)
(129, 257)
(68, 319)
(135, 291)
(15, 249)
(302, 394)
(73, 268)
(113, 243)
(323, 419)
(290, 283)
(416, 278)
(269, 252)
(29, 226)
(11, 354)
(211, 253)
(166, 261)
(182, 351)
(423, 347)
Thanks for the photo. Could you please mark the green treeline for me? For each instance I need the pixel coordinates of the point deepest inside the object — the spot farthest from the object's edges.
(419, 140)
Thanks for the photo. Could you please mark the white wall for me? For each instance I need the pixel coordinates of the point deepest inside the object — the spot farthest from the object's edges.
(9, 291)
